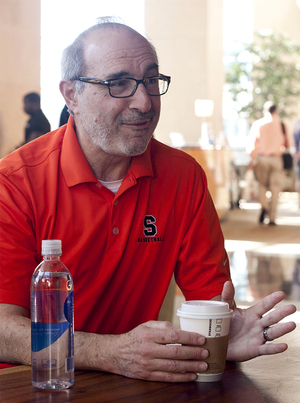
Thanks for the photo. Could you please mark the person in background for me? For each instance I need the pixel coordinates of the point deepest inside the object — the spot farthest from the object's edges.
(297, 155)
(130, 212)
(64, 116)
(267, 143)
(38, 124)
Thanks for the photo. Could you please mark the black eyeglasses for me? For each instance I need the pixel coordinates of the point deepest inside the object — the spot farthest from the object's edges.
(126, 87)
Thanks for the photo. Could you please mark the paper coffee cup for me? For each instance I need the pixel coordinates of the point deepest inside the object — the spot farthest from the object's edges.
(212, 320)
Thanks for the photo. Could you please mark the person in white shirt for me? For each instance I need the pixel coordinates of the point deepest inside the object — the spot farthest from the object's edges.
(267, 143)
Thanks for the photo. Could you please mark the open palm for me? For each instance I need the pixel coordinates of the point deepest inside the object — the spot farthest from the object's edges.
(246, 330)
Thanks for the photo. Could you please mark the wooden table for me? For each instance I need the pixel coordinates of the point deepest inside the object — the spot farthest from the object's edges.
(268, 379)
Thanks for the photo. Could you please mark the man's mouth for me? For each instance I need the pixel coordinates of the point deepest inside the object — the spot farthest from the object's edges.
(139, 121)
(143, 124)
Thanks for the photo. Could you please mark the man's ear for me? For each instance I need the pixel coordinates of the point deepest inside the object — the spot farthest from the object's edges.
(67, 88)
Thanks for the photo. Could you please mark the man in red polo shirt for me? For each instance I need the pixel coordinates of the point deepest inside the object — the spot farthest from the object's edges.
(130, 212)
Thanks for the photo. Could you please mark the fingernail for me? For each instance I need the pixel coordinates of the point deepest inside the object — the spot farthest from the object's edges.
(201, 340)
(204, 354)
(203, 366)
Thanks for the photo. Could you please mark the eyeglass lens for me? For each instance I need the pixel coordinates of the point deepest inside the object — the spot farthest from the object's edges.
(127, 86)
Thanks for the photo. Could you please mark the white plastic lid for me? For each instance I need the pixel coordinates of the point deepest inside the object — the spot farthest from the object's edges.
(204, 309)
(51, 247)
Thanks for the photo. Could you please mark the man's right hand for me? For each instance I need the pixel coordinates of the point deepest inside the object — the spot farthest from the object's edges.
(158, 351)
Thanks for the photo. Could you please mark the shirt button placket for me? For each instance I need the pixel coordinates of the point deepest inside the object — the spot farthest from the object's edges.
(115, 230)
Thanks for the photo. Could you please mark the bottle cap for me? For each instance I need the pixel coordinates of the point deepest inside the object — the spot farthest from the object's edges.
(51, 247)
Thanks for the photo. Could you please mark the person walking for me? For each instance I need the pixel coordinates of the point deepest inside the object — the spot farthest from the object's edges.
(267, 142)
(297, 155)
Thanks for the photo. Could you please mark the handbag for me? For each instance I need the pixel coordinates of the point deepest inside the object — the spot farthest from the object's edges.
(286, 156)
(287, 160)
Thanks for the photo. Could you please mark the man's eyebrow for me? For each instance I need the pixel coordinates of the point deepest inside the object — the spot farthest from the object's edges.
(153, 66)
(124, 73)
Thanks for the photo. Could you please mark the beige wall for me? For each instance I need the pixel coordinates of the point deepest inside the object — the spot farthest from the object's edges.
(279, 15)
(19, 66)
(188, 38)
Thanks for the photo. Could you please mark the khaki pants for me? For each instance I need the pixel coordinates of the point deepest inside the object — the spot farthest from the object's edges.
(270, 176)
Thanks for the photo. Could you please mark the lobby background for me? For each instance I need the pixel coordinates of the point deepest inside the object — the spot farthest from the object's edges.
(188, 36)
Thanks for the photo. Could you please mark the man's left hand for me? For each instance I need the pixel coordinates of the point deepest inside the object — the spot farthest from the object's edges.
(246, 339)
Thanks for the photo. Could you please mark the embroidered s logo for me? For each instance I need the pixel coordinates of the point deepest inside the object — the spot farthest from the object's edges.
(150, 228)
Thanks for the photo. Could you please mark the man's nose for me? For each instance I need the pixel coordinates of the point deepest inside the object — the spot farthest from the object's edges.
(141, 100)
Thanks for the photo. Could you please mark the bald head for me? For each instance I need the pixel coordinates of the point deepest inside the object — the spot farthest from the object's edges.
(74, 57)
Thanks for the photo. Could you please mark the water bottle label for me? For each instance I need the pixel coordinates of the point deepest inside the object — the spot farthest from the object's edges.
(45, 334)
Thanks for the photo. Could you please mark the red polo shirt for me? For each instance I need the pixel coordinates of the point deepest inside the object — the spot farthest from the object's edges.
(121, 250)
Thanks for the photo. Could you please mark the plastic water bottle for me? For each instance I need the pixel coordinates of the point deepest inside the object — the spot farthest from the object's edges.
(52, 321)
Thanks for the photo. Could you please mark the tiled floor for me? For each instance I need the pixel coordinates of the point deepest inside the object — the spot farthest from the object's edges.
(263, 258)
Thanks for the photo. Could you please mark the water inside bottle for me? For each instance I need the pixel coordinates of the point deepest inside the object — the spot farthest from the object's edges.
(52, 330)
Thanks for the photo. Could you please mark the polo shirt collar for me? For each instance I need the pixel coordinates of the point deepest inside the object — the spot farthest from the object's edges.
(141, 164)
(76, 168)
